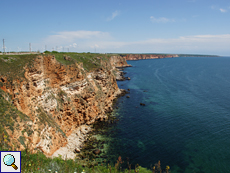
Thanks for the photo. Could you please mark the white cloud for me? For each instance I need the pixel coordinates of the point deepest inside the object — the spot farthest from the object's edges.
(68, 37)
(204, 44)
(161, 19)
(114, 14)
(74, 45)
(223, 10)
(95, 46)
(88, 41)
(59, 48)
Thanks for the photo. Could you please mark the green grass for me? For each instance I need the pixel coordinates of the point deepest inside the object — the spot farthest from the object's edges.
(13, 68)
(10, 118)
(38, 162)
(46, 118)
(90, 61)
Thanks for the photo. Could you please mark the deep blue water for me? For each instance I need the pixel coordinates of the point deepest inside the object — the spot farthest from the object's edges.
(186, 121)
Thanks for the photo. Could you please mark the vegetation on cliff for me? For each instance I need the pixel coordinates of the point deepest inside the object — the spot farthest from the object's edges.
(12, 65)
(40, 163)
(12, 120)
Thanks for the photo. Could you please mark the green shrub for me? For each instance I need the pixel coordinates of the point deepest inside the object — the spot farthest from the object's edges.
(54, 51)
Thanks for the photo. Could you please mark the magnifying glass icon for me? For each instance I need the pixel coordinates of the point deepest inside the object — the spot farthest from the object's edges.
(9, 160)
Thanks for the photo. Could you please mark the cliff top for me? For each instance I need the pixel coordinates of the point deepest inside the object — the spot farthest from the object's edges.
(12, 66)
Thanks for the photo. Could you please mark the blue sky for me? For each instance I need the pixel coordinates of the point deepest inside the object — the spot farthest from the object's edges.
(119, 26)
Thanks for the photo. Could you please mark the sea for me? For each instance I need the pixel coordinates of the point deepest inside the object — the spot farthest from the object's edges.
(185, 122)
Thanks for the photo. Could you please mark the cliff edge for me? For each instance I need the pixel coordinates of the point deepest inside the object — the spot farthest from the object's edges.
(57, 98)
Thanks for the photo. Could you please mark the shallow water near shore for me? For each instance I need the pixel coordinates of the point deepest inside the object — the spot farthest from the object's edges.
(185, 122)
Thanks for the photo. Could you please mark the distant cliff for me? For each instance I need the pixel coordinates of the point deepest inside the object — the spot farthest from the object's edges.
(58, 97)
(118, 61)
(147, 56)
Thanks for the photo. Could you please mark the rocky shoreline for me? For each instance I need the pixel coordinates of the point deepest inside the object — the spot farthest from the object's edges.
(82, 137)
(120, 74)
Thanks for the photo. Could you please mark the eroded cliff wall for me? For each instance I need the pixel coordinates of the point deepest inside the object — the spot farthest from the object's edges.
(118, 61)
(57, 99)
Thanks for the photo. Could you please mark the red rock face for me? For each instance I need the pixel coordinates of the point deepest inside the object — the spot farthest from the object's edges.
(58, 99)
(147, 56)
(118, 61)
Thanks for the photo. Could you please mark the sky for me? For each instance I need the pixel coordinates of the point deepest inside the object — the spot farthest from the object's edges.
(117, 26)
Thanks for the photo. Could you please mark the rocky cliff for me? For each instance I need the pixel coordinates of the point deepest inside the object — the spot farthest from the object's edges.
(118, 61)
(147, 56)
(57, 97)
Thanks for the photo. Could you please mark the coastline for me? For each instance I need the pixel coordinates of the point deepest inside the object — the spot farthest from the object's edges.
(78, 139)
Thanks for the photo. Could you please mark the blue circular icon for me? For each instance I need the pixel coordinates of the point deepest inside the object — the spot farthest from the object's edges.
(8, 159)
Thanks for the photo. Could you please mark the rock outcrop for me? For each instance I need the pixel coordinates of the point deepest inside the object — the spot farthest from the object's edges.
(119, 63)
(61, 102)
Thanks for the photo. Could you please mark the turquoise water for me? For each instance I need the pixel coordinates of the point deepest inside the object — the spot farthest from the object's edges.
(186, 120)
